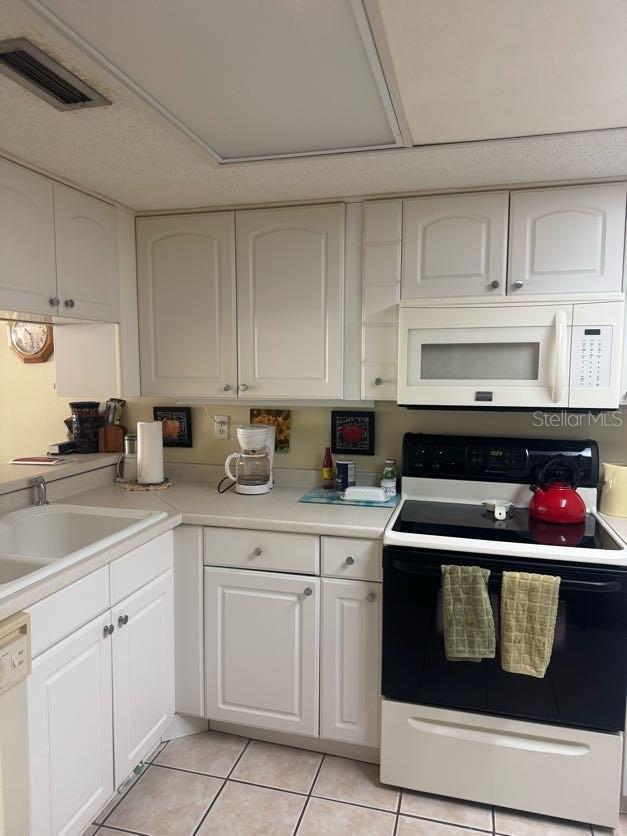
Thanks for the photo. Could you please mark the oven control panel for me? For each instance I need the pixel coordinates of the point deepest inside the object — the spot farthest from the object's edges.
(591, 355)
(494, 459)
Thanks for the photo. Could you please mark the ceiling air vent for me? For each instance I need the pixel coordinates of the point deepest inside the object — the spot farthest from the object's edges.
(29, 66)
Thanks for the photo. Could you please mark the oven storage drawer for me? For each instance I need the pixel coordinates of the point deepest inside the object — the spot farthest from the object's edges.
(505, 762)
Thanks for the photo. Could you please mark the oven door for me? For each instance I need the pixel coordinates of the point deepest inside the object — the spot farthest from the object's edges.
(502, 356)
(586, 680)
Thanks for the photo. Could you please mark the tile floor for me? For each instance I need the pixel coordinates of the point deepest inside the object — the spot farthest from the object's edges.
(212, 784)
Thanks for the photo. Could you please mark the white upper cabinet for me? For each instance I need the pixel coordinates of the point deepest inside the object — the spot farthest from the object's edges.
(186, 289)
(290, 277)
(454, 245)
(28, 275)
(87, 256)
(261, 649)
(567, 240)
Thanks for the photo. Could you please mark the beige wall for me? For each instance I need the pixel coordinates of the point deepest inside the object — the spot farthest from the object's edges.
(31, 418)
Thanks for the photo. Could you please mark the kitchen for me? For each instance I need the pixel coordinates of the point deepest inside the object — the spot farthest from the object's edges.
(391, 229)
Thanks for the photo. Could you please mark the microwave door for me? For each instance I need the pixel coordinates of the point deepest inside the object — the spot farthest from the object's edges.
(491, 358)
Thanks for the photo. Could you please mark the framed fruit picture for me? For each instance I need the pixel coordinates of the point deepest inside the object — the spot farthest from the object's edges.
(352, 432)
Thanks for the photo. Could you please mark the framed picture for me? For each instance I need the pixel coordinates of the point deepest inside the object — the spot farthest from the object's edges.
(279, 418)
(177, 425)
(352, 432)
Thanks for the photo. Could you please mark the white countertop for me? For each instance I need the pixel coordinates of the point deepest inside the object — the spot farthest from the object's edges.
(198, 503)
(15, 477)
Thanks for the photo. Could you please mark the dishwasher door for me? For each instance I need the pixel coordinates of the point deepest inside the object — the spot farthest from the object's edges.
(14, 669)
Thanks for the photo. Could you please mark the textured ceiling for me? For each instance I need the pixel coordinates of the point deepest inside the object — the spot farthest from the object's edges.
(478, 69)
(130, 154)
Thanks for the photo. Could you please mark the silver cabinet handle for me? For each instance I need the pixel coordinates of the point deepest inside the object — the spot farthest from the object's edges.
(54, 301)
(518, 284)
(371, 597)
(378, 381)
(308, 591)
(349, 560)
(105, 630)
(496, 283)
(69, 303)
(257, 551)
(243, 387)
(108, 630)
(122, 620)
(226, 387)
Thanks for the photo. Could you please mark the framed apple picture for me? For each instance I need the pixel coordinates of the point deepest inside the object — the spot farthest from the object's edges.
(352, 432)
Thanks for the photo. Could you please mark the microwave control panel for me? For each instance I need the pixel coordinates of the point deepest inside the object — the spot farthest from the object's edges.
(591, 356)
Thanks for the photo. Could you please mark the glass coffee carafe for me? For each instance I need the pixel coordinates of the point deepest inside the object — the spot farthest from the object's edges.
(252, 465)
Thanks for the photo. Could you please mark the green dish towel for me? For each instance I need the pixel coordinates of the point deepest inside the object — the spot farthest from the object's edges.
(528, 614)
(467, 614)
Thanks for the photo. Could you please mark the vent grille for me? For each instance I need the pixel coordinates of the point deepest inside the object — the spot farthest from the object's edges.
(26, 64)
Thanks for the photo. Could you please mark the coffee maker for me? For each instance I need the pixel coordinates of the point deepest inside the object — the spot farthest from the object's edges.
(253, 465)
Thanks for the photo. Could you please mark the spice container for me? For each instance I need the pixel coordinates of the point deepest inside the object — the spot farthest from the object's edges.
(388, 479)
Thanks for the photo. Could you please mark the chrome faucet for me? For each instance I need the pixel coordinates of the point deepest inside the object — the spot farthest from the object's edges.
(40, 490)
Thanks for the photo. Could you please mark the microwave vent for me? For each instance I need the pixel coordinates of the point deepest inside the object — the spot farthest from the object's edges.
(29, 66)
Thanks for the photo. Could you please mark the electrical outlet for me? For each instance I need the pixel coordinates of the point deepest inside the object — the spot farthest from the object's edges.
(221, 426)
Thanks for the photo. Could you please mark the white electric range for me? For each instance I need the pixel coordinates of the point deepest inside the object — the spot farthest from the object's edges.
(550, 745)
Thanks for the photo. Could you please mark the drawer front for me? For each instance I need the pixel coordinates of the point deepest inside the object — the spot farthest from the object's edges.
(64, 612)
(379, 381)
(262, 550)
(139, 567)
(358, 559)
(419, 744)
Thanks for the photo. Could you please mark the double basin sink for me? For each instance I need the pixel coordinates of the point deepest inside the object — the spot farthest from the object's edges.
(38, 541)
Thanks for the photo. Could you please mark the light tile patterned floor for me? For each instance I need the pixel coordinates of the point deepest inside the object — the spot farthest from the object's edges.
(216, 784)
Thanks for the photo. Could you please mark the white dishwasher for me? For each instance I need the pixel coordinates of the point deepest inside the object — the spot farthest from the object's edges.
(14, 668)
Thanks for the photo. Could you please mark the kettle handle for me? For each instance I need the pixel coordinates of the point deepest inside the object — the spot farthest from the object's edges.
(544, 479)
(227, 468)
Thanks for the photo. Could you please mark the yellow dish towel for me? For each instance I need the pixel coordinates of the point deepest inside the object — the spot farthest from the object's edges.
(528, 613)
(467, 614)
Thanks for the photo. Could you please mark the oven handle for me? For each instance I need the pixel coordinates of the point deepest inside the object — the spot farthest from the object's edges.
(565, 585)
(561, 344)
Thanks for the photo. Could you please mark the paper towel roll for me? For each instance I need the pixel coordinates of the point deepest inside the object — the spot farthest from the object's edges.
(149, 452)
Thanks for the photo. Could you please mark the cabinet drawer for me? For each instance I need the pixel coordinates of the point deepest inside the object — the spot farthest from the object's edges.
(64, 612)
(359, 559)
(379, 381)
(139, 567)
(262, 550)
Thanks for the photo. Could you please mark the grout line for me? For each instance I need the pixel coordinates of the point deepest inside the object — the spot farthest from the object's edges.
(448, 823)
(188, 771)
(124, 795)
(122, 830)
(493, 819)
(313, 784)
(219, 792)
(364, 806)
(266, 787)
(398, 811)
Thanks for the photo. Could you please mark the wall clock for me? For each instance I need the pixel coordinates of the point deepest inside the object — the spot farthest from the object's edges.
(31, 341)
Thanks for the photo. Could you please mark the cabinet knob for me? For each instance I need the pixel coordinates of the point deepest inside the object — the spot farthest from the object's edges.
(495, 284)
(226, 387)
(122, 620)
(371, 597)
(108, 629)
(54, 301)
(349, 560)
(518, 284)
(69, 303)
(308, 591)
(257, 551)
(378, 381)
(243, 387)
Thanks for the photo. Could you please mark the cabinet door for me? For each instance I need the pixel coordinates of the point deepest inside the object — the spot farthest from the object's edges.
(290, 276)
(567, 240)
(454, 245)
(70, 732)
(28, 276)
(261, 649)
(350, 661)
(186, 287)
(87, 256)
(143, 672)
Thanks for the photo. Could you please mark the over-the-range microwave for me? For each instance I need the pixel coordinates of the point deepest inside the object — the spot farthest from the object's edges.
(525, 355)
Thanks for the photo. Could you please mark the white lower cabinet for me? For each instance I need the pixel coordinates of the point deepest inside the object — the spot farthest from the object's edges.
(70, 731)
(349, 704)
(143, 672)
(261, 649)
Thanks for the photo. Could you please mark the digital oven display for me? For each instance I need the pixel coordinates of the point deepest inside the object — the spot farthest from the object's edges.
(496, 458)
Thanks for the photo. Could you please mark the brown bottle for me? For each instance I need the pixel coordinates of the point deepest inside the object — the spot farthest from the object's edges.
(327, 469)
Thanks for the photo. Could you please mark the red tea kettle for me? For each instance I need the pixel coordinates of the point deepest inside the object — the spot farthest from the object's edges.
(555, 498)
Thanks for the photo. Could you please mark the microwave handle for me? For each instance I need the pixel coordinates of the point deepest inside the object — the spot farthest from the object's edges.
(561, 359)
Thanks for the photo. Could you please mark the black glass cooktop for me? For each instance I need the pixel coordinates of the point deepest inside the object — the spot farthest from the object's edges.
(473, 522)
